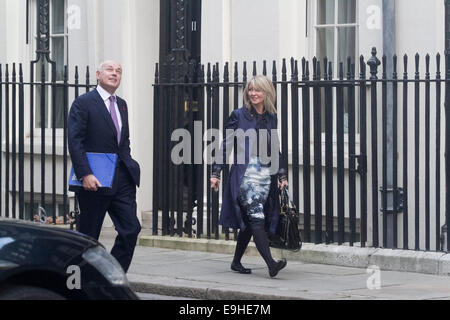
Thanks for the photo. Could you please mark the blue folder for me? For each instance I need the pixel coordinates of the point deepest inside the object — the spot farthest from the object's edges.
(103, 166)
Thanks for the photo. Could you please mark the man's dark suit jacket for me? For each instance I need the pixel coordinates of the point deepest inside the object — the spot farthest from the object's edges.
(91, 129)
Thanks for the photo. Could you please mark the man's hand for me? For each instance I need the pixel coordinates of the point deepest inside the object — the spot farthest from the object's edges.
(90, 183)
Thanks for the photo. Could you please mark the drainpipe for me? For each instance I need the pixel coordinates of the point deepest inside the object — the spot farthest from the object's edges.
(389, 51)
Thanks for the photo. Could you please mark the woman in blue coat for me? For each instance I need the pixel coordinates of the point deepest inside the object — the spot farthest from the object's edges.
(251, 196)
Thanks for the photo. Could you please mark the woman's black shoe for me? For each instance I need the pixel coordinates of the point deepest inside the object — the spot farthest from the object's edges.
(280, 265)
(239, 268)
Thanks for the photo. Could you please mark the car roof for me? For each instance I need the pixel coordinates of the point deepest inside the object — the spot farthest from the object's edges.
(41, 228)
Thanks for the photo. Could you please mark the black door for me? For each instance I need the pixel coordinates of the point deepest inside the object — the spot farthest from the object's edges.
(180, 44)
(180, 28)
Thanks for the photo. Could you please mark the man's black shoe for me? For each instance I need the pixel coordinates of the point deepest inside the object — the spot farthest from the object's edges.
(239, 268)
(280, 265)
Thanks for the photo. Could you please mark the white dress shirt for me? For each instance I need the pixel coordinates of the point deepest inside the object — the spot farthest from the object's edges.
(105, 96)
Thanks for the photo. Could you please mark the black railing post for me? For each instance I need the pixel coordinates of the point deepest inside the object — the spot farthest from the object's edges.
(417, 174)
(75, 214)
(200, 168)
(21, 143)
(351, 151)
(405, 152)
(225, 114)
(373, 63)
(65, 141)
(317, 115)
(447, 122)
(172, 187)
(385, 154)
(438, 153)
(306, 112)
(244, 74)
(32, 119)
(284, 117)
(13, 141)
(340, 155)
(7, 153)
(236, 101)
(178, 109)
(53, 107)
(157, 151)
(42, 124)
(363, 150)
(209, 167)
(295, 134)
(190, 167)
(215, 124)
(427, 153)
(274, 78)
(166, 152)
(329, 236)
(394, 150)
(88, 84)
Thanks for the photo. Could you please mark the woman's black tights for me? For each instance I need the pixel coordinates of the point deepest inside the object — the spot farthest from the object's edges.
(255, 228)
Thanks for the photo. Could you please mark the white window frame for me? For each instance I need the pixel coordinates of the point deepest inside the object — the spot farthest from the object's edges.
(313, 36)
(335, 27)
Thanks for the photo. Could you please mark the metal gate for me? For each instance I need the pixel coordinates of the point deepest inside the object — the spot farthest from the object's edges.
(334, 136)
(34, 161)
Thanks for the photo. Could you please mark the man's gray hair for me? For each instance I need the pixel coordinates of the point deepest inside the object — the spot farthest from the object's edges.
(100, 66)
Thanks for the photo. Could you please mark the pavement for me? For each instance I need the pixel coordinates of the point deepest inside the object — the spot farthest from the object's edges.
(157, 268)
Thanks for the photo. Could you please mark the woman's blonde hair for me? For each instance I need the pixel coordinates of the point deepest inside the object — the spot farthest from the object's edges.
(263, 83)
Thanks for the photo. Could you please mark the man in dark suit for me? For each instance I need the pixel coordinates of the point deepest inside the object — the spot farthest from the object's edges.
(98, 122)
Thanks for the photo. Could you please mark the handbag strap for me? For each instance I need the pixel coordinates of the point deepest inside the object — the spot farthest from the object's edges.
(286, 198)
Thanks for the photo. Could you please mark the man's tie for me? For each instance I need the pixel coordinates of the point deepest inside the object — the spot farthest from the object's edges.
(112, 111)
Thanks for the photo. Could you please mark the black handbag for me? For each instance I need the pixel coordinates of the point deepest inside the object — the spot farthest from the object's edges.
(287, 234)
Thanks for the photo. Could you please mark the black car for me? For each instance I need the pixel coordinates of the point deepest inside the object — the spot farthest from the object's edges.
(41, 262)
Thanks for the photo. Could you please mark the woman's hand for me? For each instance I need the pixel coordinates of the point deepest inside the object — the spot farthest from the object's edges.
(215, 184)
(283, 184)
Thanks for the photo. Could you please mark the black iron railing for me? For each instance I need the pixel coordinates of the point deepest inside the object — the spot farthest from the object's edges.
(339, 122)
(30, 188)
(34, 112)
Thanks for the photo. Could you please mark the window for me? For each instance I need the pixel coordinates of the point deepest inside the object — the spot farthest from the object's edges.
(58, 53)
(336, 30)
